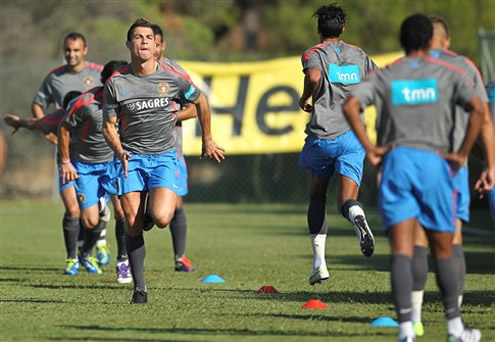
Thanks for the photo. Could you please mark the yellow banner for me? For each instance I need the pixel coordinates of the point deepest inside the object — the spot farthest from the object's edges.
(255, 105)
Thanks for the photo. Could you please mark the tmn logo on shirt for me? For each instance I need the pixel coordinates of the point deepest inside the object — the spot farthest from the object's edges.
(345, 74)
(413, 92)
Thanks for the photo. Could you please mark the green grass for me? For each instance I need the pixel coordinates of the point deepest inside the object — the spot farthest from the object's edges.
(249, 246)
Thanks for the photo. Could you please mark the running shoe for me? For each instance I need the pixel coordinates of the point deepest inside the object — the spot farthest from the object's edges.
(365, 235)
(123, 272)
(418, 329)
(183, 265)
(90, 263)
(318, 275)
(103, 255)
(139, 297)
(71, 266)
(468, 335)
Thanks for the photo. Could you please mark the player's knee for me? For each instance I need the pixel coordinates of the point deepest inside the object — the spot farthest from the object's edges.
(89, 222)
(118, 214)
(163, 218)
(73, 210)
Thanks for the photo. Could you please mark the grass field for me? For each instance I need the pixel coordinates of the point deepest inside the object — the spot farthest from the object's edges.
(249, 246)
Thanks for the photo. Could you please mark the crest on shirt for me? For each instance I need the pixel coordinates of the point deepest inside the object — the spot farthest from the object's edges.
(131, 106)
(81, 198)
(88, 82)
(163, 89)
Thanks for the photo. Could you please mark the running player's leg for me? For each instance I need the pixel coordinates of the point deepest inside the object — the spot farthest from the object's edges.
(133, 206)
(178, 230)
(71, 226)
(162, 203)
(318, 228)
(102, 250)
(401, 242)
(317, 156)
(93, 226)
(349, 166)
(122, 265)
(420, 274)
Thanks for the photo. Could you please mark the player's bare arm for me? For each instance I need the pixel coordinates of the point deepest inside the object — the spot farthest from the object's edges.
(187, 113)
(487, 178)
(209, 148)
(476, 118)
(67, 170)
(312, 78)
(352, 111)
(113, 140)
(38, 113)
(16, 122)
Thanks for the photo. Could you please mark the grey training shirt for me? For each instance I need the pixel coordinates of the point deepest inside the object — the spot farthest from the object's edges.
(145, 107)
(415, 99)
(60, 81)
(342, 67)
(84, 115)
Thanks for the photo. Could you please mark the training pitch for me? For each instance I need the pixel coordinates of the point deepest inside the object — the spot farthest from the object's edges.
(247, 245)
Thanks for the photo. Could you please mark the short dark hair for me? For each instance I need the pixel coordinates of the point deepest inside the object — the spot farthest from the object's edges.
(71, 95)
(441, 21)
(138, 23)
(415, 33)
(110, 68)
(331, 20)
(75, 36)
(157, 30)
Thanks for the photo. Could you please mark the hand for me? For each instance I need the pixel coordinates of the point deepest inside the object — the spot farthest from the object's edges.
(375, 156)
(212, 150)
(68, 172)
(13, 121)
(455, 160)
(304, 105)
(486, 182)
(52, 138)
(124, 157)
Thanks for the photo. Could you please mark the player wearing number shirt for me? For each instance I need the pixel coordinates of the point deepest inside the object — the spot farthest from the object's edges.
(139, 99)
(332, 70)
(416, 98)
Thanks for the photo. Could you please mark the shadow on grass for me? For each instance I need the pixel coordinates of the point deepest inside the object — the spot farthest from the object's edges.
(97, 286)
(116, 339)
(309, 317)
(33, 300)
(30, 268)
(207, 331)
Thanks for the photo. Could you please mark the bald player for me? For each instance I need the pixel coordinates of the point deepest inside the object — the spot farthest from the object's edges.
(440, 44)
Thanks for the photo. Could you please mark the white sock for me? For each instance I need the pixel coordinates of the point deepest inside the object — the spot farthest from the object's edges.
(318, 243)
(102, 241)
(354, 211)
(459, 300)
(406, 330)
(455, 326)
(417, 303)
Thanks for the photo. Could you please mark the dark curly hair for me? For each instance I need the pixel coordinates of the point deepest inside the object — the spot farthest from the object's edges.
(331, 20)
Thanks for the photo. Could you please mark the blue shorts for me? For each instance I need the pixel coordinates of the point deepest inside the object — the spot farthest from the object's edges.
(62, 187)
(323, 157)
(417, 183)
(491, 200)
(461, 183)
(89, 186)
(147, 172)
(182, 175)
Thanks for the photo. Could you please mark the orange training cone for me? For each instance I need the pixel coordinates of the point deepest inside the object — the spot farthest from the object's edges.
(314, 304)
(267, 289)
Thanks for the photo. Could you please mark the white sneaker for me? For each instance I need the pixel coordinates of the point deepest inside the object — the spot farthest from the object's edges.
(468, 335)
(318, 275)
(123, 272)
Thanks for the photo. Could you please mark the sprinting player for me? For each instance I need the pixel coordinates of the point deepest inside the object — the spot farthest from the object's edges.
(178, 225)
(439, 50)
(488, 176)
(142, 97)
(415, 100)
(77, 75)
(332, 70)
(85, 158)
